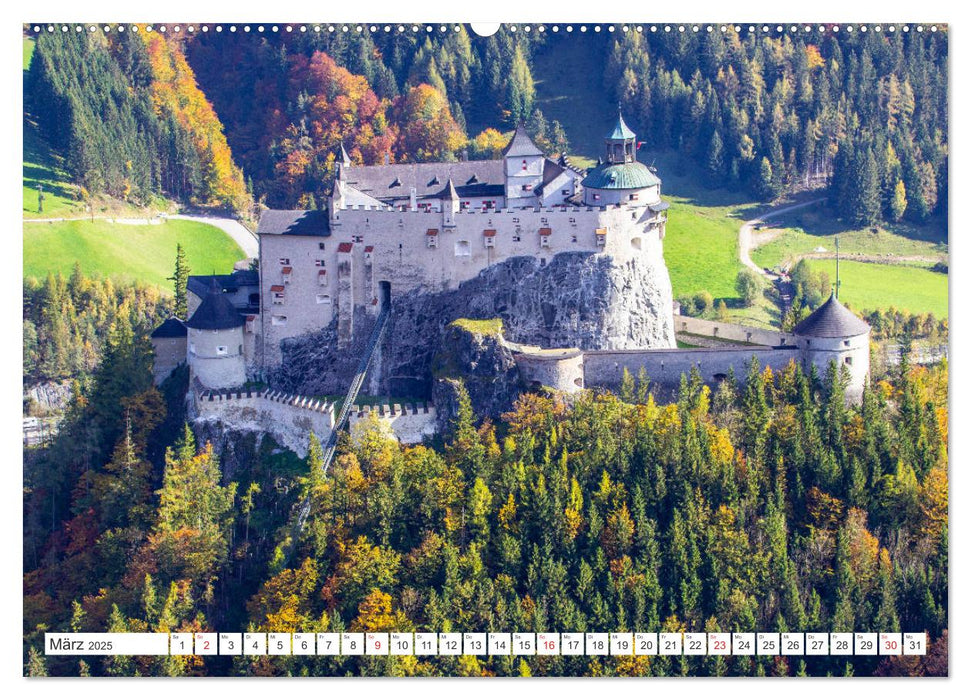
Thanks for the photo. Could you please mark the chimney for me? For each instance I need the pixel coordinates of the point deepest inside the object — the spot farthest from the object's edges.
(387, 158)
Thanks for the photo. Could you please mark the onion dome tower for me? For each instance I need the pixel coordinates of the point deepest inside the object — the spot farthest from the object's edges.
(619, 178)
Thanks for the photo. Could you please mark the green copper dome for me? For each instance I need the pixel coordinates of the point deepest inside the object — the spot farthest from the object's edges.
(621, 131)
(620, 176)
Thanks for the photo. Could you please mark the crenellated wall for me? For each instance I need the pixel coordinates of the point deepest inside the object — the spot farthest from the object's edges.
(409, 423)
(732, 331)
(287, 417)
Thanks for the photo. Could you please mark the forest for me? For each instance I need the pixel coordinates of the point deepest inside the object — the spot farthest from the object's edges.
(768, 504)
(864, 113)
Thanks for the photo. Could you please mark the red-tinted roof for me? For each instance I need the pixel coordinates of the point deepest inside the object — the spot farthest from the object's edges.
(432, 232)
(490, 232)
(369, 249)
(345, 247)
(287, 270)
(545, 231)
(277, 288)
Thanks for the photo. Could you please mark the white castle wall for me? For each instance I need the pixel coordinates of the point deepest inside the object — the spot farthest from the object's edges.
(400, 255)
(410, 424)
(287, 417)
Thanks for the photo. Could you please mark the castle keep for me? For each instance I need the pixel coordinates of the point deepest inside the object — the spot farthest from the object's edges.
(583, 284)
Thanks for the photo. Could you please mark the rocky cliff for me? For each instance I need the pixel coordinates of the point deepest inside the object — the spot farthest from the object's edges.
(577, 300)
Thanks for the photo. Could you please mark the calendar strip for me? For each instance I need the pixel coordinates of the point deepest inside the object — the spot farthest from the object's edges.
(488, 644)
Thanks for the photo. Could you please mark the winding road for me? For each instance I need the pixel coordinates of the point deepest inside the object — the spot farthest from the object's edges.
(745, 234)
(243, 237)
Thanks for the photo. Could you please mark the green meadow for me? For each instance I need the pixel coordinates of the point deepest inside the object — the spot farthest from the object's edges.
(123, 252)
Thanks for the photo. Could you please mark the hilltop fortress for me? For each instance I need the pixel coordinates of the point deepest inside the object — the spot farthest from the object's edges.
(571, 261)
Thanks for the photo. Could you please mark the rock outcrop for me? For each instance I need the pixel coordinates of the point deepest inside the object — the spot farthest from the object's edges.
(580, 299)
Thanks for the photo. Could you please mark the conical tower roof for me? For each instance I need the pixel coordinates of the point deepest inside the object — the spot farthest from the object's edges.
(216, 312)
(832, 320)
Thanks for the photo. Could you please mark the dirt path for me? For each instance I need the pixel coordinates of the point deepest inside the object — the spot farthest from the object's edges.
(243, 237)
(745, 243)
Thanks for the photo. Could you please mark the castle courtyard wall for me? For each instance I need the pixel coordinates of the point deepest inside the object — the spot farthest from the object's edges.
(410, 424)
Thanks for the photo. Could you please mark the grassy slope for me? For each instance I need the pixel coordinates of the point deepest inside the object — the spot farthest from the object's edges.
(869, 286)
(803, 231)
(126, 252)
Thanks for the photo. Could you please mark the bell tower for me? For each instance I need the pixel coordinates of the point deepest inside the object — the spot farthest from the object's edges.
(621, 143)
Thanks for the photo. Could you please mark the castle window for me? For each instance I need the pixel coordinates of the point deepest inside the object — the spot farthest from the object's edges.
(564, 192)
(287, 271)
(524, 164)
(601, 236)
(323, 298)
(357, 239)
(239, 350)
(632, 197)
(278, 292)
(846, 343)
(279, 320)
(322, 277)
(321, 246)
(431, 236)
(573, 238)
(222, 350)
(848, 360)
(462, 249)
(284, 261)
(516, 237)
(320, 263)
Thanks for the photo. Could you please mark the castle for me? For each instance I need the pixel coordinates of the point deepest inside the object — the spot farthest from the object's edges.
(407, 230)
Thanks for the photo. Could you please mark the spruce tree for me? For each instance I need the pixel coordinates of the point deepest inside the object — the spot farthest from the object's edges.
(180, 281)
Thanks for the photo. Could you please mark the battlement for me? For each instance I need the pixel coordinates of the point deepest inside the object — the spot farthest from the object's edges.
(304, 402)
(393, 410)
(410, 423)
(492, 211)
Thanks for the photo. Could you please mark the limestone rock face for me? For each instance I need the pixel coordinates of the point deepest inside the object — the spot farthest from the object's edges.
(484, 364)
(578, 300)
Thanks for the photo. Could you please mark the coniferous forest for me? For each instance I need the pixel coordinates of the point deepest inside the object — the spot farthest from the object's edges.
(137, 114)
(767, 504)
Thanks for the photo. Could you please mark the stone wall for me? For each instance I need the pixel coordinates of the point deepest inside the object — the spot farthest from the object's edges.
(664, 368)
(287, 417)
(559, 369)
(169, 354)
(410, 424)
(733, 332)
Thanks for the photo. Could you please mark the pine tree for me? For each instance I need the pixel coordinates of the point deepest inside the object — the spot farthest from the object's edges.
(180, 281)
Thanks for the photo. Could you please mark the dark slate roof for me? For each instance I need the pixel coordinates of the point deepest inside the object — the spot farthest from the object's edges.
(551, 171)
(199, 284)
(832, 320)
(295, 222)
(621, 131)
(216, 312)
(521, 145)
(473, 178)
(170, 328)
(620, 176)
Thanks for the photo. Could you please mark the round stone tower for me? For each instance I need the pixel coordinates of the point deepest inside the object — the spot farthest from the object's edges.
(619, 178)
(215, 338)
(833, 333)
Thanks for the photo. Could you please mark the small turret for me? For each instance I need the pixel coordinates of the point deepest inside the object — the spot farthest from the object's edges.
(215, 337)
(619, 178)
(524, 163)
(833, 333)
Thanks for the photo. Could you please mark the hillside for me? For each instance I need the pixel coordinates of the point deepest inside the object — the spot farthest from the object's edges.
(126, 252)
